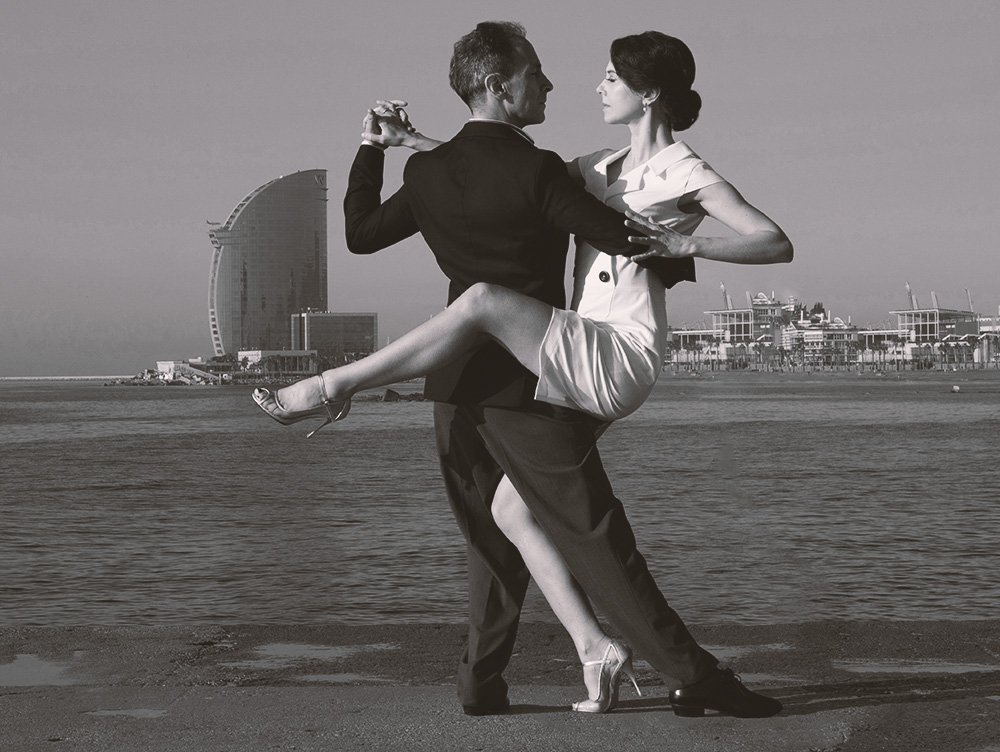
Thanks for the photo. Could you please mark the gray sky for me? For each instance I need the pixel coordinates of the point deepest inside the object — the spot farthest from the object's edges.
(867, 130)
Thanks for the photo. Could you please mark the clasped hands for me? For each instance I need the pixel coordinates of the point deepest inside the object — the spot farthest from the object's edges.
(387, 124)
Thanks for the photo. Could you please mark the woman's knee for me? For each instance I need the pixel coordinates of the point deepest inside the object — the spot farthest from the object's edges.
(509, 511)
(481, 299)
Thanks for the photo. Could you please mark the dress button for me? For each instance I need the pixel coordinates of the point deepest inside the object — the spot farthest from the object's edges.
(604, 276)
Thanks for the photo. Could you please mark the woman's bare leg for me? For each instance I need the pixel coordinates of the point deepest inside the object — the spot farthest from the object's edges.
(484, 311)
(568, 601)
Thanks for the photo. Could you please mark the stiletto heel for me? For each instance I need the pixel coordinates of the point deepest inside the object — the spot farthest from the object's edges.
(617, 661)
(630, 673)
(267, 401)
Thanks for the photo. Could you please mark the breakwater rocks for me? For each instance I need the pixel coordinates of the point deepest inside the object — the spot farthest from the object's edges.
(389, 395)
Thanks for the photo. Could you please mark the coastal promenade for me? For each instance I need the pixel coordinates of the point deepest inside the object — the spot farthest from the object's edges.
(846, 686)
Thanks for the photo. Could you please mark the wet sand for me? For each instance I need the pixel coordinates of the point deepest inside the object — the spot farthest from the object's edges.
(846, 686)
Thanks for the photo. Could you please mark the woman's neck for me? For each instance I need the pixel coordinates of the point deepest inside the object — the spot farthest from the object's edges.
(649, 136)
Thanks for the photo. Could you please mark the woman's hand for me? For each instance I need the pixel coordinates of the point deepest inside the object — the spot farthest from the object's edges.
(393, 108)
(387, 124)
(662, 241)
(758, 239)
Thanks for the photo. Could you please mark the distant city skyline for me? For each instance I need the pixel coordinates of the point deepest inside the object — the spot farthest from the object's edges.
(865, 130)
(912, 302)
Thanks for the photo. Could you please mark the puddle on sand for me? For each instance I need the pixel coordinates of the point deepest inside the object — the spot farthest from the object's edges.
(29, 670)
(752, 678)
(132, 712)
(727, 653)
(911, 667)
(340, 678)
(284, 655)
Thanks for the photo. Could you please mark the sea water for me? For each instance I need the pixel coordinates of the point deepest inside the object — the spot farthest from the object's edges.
(755, 499)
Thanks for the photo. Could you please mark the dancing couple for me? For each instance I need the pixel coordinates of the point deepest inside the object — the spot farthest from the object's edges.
(522, 386)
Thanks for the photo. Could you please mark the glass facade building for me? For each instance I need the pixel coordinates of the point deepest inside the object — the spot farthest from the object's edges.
(335, 335)
(269, 262)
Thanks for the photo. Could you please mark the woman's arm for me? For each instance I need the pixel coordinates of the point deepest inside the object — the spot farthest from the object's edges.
(573, 168)
(759, 240)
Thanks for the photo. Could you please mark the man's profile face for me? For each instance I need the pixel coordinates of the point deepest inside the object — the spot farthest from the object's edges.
(528, 88)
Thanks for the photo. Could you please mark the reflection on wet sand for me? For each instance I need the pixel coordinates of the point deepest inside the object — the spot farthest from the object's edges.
(911, 667)
(284, 655)
(29, 670)
(131, 713)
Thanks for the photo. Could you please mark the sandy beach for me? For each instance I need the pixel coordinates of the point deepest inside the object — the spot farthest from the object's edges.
(846, 686)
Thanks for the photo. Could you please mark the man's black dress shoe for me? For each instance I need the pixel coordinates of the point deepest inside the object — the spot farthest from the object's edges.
(500, 708)
(722, 690)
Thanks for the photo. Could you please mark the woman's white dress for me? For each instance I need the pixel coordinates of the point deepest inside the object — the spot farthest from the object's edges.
(604, 355)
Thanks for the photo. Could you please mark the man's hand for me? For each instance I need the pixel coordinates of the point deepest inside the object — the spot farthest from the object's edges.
(662, 241)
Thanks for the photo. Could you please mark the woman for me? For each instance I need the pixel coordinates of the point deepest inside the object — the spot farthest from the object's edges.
(604, 355)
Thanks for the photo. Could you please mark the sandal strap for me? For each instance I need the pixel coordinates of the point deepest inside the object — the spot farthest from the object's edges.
(322, 389)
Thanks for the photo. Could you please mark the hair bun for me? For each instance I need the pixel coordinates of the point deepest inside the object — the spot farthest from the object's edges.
(683, 109)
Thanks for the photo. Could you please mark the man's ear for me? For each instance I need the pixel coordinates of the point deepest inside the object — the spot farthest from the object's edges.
(496, 85)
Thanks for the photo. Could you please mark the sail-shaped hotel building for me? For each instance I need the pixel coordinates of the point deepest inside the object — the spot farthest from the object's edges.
(269, 262)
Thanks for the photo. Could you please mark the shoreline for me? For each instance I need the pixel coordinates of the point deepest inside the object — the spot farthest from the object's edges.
(846, 685)
(668, 371)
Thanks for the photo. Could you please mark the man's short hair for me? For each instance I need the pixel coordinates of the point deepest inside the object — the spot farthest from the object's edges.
(492, 47)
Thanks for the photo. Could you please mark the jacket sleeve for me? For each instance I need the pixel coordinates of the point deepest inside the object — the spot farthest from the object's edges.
(567, 205)
(370, 224)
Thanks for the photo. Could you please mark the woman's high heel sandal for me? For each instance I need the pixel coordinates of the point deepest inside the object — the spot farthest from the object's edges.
(267, 401)
(617, 661)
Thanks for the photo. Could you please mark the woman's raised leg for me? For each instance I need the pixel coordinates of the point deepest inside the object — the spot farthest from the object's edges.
(516, 321)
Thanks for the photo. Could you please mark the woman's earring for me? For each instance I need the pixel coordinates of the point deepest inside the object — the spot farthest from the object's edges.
(645, 106)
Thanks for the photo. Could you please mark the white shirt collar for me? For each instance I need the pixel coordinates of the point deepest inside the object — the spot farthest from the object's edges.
(658, 163)
(502, 122)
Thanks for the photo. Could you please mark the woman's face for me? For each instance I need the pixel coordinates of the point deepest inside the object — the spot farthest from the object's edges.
(621, 103)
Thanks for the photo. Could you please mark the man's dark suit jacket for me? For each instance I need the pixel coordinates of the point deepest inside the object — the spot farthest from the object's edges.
(492, 208)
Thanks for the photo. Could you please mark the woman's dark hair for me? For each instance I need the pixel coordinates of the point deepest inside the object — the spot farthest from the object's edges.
(492, 47)
(653, 60)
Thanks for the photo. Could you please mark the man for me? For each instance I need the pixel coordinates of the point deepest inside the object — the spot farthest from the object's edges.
(494, 208)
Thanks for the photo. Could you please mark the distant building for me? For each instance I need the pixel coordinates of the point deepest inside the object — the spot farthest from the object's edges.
(276, 363)
(738, 337)
(269, 262)
(934, 324)
(335, 335)
(758, 320)
(693, 348)
(990, 324)
(819, 341)
(193, 371)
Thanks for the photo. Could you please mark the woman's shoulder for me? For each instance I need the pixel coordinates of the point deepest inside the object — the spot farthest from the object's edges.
(688, 169)
(587, 162)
